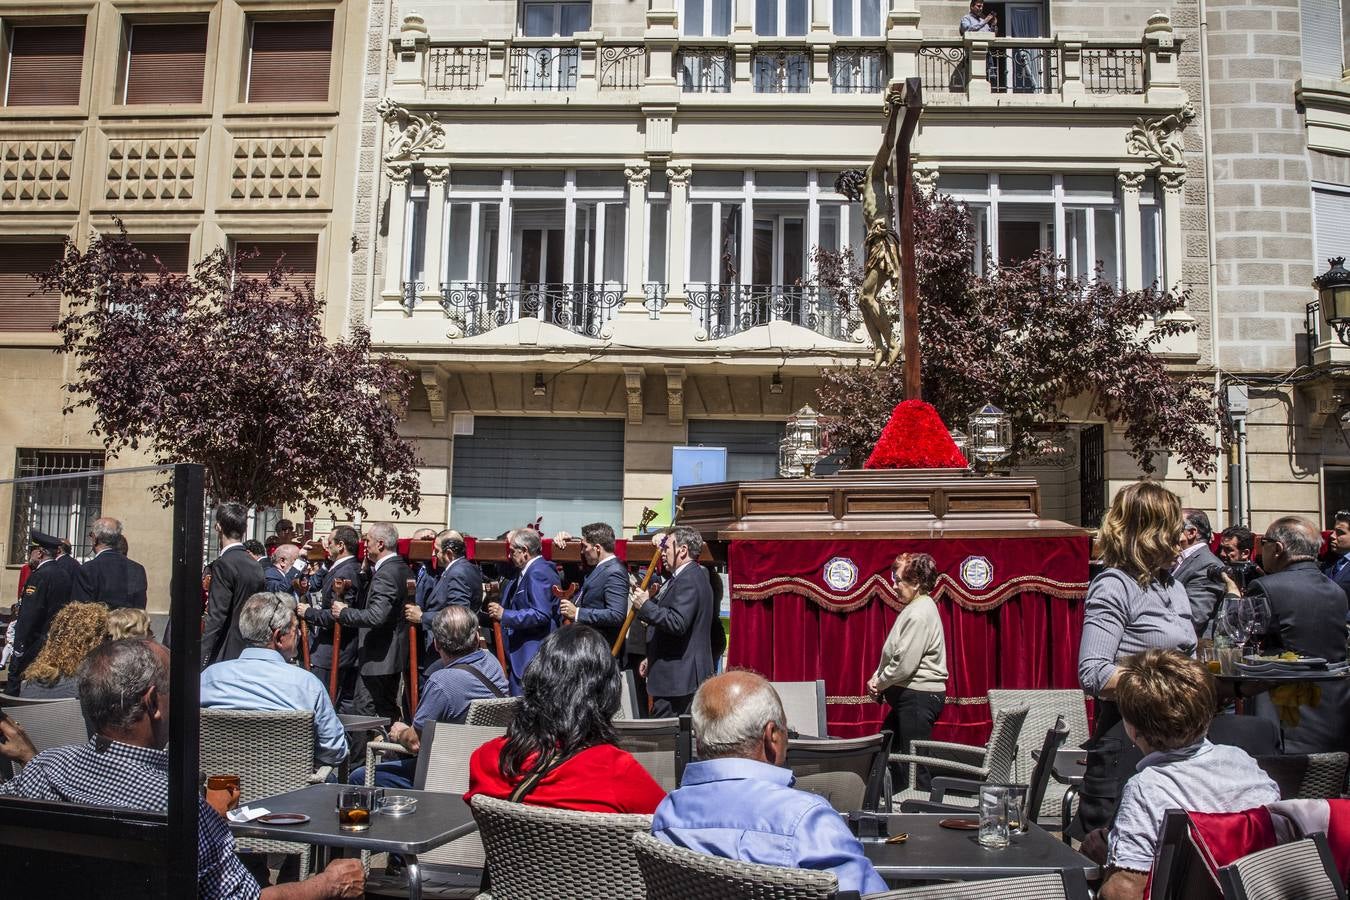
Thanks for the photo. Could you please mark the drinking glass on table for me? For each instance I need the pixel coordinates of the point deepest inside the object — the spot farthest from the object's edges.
(993, 816)
(1232, 623)
(354, 808)
(1256, 612)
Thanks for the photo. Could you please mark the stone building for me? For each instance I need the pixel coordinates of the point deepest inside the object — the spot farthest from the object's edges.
(218, 123)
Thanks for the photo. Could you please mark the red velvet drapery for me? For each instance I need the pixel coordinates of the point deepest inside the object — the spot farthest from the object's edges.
(803, 610)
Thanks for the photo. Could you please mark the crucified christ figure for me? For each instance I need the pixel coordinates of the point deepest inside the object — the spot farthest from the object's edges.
(881, 259)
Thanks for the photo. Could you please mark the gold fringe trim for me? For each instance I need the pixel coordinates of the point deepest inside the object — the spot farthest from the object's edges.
(876, 586)
(863, 701)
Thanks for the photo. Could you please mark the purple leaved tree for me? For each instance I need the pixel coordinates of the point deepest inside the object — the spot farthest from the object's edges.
(235, 373)
(1028, 338)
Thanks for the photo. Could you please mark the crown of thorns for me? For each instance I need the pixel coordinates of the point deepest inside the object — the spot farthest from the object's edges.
(850, 183)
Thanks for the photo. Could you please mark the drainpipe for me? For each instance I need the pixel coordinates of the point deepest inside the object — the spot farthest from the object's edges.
(1234, 479)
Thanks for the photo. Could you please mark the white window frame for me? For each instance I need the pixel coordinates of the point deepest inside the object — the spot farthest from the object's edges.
(708, 7)
(557, 15)
(781, 25)
(856, 30)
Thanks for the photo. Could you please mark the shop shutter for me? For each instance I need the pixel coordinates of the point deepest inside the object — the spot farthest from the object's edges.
(289, 61)
(166, 63)
(752, 447)
(301, 257)
(45, 65)
(18, 310)
(512, 470)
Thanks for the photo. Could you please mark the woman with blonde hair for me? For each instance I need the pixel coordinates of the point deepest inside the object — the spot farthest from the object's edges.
(128, 622)
(1133, 605)
(76, 630)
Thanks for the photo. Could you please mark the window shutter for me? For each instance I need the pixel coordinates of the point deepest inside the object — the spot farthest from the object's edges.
(45, 65)
(301, 257)
(1321, 32)
(1331, 226)
(18, 310)
(290, 61)
(173, 254)
(166, 63)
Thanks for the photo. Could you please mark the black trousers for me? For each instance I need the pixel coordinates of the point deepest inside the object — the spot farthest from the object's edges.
(346, 691)
(378, 695)
(670, 707)
(910, 718)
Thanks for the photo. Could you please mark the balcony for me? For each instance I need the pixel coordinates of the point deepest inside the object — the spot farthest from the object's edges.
(476, 308)
(1020, 66)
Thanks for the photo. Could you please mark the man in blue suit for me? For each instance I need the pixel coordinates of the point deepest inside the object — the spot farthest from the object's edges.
(1338, 569)
(528, 610)
(460, 584)
(602, 602)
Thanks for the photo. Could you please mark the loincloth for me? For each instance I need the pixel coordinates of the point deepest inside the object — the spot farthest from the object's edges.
(882, 246)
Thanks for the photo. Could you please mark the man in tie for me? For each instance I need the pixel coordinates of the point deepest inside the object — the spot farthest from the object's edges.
(1193, 570)
(679, 648)
(460, 584)
(383, 652)
(528, 610)
(1338, 570)
(342, 544)
(602, 602)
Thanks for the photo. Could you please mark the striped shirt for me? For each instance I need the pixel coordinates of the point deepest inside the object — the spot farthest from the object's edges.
(1121, 619)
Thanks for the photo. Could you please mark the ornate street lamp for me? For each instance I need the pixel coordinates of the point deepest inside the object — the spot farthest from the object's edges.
(800, 448)
(990, 439)
(1333, 293)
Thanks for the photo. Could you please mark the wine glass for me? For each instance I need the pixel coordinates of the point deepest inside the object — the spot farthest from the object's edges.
(1232, 624)
(1255, 611)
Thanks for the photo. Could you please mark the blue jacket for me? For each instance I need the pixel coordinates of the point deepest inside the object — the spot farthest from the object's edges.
(602, 602)
(529, 614)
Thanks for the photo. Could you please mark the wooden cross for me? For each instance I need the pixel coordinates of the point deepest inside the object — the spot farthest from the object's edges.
(902, 171)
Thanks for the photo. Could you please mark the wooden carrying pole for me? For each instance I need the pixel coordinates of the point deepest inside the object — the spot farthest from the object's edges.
(412, 652)
(333, 666)
(501, 646)
(648, 516)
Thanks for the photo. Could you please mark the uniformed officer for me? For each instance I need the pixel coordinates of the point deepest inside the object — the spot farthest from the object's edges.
(47, 590)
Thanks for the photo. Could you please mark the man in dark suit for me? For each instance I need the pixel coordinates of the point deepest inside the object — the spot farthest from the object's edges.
(528, 610)
(45, 592)
(281, 573)
(383, 654)
(1307, 616)
(602, 602)
(235, 577)
(342, 545)
(679, 649)
(109, 577)
(460, 584)
(1193, 570)
(1338, 569)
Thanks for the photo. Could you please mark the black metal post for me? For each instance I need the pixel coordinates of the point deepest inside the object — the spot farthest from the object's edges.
(185, 642)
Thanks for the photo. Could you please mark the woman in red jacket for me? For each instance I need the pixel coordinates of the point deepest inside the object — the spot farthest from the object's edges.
(560, 748)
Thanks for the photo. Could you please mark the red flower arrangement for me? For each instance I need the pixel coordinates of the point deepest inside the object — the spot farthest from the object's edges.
(915, 438)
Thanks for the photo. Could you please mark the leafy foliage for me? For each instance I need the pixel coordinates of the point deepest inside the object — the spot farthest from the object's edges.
(235, 373)
(1028, 338)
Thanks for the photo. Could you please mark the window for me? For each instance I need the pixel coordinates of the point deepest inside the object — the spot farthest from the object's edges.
(289, 61)
(62, 507)
(18, 310)
(781, 18)
(45, 65)
(752, 447)
(554, 19)
(1331, 224)
(301, 257)
(857, 18)
(706, 18)
(165, 63)
(172, 254)
(1321, 38)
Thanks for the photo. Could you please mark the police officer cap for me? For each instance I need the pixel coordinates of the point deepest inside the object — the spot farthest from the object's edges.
(45, 541)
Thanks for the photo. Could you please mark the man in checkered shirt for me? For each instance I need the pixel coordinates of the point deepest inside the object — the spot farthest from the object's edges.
(124, 693)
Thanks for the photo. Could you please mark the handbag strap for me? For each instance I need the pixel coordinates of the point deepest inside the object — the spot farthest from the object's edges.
(538, 774)
(487, 682)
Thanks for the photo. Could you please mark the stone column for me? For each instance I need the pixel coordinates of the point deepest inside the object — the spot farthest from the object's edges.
(1130, 183)
(634, 299)
(677, 230)
(1173, 250)
(398, 174)
(977, 60)
(743, 17)
(1071, 69)
(435, 236)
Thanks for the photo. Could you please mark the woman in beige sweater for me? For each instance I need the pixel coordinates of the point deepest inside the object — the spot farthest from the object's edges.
(912, 674)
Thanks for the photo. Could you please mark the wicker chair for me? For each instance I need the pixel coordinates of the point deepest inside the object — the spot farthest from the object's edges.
(1044, 706)
(663, 746)
(628, 698)
(850, 773)
(673, 873)
(494, 712)
(804, 703)
(1307, 776)
(51, 723)
(271, 751)
(1299, 870)
(532, 852)
(968, 766)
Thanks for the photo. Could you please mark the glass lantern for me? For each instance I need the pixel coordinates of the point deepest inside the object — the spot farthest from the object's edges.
(800, 448)
(1333, 293)
(990, 437)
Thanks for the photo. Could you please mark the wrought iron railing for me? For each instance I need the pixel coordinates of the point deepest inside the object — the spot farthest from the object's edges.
(655, 293)
(942, 68)
(1113, 70)
(456, 68)
(781, 71)
(411, 290)
(723, 310)
(1023, 70)
(479, 307)
(858, 70)
(622, 67)
(704, 70)
(543, 68)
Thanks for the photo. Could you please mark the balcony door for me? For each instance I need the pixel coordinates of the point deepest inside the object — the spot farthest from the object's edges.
(778, 262)
(554, 19)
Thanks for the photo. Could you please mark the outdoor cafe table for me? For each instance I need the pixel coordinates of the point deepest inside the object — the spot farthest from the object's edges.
(933, 853)
(1245, 687)
(440, 818)
(352, 723)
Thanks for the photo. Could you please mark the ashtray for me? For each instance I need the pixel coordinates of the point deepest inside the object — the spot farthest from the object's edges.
(397, 805)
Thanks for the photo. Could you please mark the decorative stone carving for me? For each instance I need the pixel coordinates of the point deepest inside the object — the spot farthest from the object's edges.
(675, 395)
(1130, 181)
(36, 171)
(1159, 140)
(277, 169)
(637, 175)
(151, 169)
(926, 178)
(411, 134)
(1172, 182)
(632, 382)
(435, 384)
(678, 175)
(436, 175)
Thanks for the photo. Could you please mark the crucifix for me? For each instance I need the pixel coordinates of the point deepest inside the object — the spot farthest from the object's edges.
(888, 261)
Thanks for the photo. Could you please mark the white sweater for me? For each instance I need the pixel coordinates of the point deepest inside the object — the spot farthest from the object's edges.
(915, 655)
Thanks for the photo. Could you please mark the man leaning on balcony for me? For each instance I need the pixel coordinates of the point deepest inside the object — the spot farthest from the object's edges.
(977, 20)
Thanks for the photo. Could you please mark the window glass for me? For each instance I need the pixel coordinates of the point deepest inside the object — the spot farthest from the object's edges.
(62, 507)
(1025, 184)
(538, 179)
(475, 179)
(1149, 222)
(769, 180)
(656, 248)
(962, 182)
(718, 179)
(1101, 186)
(595, 179)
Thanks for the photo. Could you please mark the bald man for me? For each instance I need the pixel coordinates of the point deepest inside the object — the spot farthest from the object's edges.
(281, 571)
(1307, 616)
(460, 582)
(737, 800)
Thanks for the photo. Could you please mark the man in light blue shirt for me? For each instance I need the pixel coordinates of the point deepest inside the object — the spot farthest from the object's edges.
(737, 802)
(263, 677)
